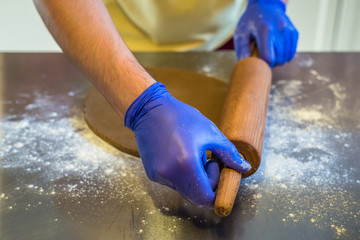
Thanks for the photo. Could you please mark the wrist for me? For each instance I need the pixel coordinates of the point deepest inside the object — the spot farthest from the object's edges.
(135, 86)
(147, 100)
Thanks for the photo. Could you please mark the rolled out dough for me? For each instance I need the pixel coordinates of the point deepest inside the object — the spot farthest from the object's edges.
(204, 93)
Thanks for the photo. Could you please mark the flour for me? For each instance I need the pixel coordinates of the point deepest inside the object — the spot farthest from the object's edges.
(51, 148)
(301, 175)
(304, 60)
(52, 145)
(319, 77)
(302, 162)
(313, 114)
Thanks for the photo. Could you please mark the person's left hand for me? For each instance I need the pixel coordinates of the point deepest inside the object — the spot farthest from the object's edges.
(265, 22)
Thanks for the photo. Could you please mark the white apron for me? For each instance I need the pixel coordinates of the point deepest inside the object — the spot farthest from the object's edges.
(175, 25)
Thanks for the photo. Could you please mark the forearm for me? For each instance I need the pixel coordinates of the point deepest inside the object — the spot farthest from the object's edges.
(85, 32)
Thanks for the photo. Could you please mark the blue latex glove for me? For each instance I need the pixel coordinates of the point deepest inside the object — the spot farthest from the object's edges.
(172, 138)
(265, 22)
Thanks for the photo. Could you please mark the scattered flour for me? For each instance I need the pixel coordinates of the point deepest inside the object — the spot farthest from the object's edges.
(301, 175)
(56, 151)
(312, 114)
(304, 60)
(50, 149)
(302, 172)
(61, 164)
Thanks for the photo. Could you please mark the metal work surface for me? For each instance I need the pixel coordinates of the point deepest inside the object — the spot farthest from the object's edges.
(58, 180)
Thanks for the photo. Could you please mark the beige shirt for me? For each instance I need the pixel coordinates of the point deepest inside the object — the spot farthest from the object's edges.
(175, 25)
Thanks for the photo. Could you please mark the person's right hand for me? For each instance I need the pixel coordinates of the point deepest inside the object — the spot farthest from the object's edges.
(172, 138)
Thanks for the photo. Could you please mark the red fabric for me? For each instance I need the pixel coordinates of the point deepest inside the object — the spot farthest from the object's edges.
(229, 45)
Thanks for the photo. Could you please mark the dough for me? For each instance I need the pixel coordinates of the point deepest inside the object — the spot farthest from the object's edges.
(204, 93)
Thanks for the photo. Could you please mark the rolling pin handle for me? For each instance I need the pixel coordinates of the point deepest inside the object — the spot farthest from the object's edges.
(243, 123)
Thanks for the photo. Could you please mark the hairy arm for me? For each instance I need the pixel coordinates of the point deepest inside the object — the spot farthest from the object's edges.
(171, 136)
(86, 33)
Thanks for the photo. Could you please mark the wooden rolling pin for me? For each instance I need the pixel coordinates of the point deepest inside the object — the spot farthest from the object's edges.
(243, 123)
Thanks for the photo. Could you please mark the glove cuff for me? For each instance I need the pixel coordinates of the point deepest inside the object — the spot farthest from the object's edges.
(279, 3)
(139, 107)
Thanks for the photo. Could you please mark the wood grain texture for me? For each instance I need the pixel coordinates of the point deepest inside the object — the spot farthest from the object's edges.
(228, 186)
(243, 123)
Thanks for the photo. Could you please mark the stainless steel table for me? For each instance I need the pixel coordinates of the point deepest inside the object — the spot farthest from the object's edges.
(60, 181)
